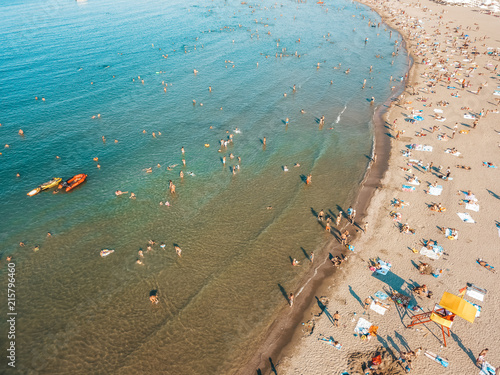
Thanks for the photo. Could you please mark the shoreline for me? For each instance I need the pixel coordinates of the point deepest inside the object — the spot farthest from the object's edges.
(283, 335)
(418, 23)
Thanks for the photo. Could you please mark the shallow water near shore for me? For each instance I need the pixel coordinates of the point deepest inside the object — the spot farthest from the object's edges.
(81, 313)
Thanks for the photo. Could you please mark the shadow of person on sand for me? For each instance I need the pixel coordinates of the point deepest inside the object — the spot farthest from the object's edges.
(493, 194)
(466, 350)
(353, 293)
(305, 253)
(284, 293)
(273, 368)
(323, 308)
(402, 340)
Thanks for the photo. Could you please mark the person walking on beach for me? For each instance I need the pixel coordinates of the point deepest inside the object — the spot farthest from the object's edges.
(290, 299)
(308, 179)
(328, 226)
(481, 358)
(336, 319)
(321, 215)
(339, 217)
(311, 257)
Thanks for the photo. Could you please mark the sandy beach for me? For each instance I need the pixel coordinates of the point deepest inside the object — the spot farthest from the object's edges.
(444, 124)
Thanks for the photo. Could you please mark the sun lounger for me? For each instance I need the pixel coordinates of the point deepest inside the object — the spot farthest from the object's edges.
(435, 190)
(466, 218)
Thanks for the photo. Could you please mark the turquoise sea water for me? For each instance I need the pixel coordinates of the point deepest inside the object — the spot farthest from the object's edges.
(80, 313)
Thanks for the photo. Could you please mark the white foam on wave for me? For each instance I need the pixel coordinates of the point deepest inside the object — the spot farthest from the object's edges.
(340, 114)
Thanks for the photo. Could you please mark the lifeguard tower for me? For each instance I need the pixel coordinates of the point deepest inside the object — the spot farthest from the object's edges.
(444, 313)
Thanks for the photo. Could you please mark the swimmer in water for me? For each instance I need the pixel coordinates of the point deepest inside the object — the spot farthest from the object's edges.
(297, 165)
(285, 168)
(132, 196)
(178, 251)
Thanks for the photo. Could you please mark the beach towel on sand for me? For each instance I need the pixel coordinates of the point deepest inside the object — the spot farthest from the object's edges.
(378, 308)
(487, 369)
(472, 207)
(408, 188)
(362, 326)
(435, 190)
(465, 217)
(434, 253)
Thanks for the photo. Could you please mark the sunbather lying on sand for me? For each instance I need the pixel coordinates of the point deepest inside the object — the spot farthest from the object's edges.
(485, 265)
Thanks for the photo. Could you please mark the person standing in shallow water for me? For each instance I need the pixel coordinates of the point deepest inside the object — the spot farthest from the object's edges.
(308, 179)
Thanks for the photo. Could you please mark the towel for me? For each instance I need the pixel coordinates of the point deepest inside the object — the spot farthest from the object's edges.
(465, 217)
(472, 207)
(414, 182)
(469, 117)
(437, 110)
(427, 148)
(408, 188)
(487, 369)
(435, 190)
(377, 308)
(362, 326)
(381, 295)
(475, 292)
(434, 253)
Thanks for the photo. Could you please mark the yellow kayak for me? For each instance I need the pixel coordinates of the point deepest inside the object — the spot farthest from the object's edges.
(46, 185)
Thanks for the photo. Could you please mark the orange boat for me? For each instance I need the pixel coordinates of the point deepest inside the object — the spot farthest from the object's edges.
(73, 182)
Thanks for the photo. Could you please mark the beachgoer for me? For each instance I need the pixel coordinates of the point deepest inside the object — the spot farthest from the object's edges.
(339, 218)
(336, 319)
(321, 214)
(295, 262)
(290, 299)
(367, 302)
(311, 257)
(481, 358)
(178, 251)
(308, 179)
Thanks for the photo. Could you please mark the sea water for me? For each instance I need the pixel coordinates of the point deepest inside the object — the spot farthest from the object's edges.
(80, 313)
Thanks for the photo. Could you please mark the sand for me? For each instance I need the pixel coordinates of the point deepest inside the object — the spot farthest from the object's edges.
(431, 36)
